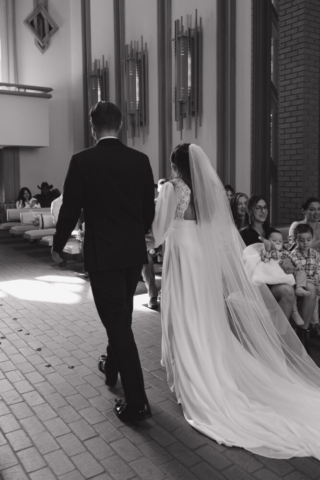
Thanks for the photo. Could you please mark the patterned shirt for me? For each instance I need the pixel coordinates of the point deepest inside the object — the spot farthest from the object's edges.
(278, 255)
(309, 262)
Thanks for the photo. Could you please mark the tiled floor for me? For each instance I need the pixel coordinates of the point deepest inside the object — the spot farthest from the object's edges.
(56, 414)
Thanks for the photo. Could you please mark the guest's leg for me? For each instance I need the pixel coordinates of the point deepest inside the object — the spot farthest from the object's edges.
(308, 304)
(149, 277)
(113, 292)
(285, 296)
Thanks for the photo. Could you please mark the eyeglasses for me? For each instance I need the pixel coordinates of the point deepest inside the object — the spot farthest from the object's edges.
(260, 208)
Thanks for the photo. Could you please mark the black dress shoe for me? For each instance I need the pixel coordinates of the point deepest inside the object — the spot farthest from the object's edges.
(130, 413)
(111, 379)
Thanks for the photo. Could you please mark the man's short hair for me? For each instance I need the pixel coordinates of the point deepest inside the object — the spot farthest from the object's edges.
(105, 116)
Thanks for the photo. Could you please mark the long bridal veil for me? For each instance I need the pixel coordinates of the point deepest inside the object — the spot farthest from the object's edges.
(251, 312)
(238, 369)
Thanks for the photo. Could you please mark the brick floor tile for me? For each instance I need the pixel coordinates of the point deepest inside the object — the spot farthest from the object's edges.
(68, 414)
(56, 400)
(26, 367)
(212, 456)
(7, 366)
(308, 466)
(161, 436)
(8, 423)
(7, 457)
(74, 475)
(45, 388)
(34, 377)
(175, 470)
(107, 431)
(11, 397)
(87, 391)
(33, 398)
(32, 425)
(65, 389)
(155, 453)
(70, 444)
(21, 410)
(3, 441)
(243, 459)
(24, 386)
(205, 472)
(43, 474)
(17, 358)
(5, 385)
(281, 467)
(118, 469)
(54, 378)
(14, 473)
(74, 379)
(82, 429)
(57, 427)
(87, 465)
(92, 415)
(166, 421)
(31, 459)
(146, 469)
(59, 462)
(182, 453)
(236, 473)
(4, 410)
(78, 401)
(126, 449)
(14, 376)
(100, 402)
(44, 412)
(189, 437)
(19, 440)
(99, 448)
(44, 442)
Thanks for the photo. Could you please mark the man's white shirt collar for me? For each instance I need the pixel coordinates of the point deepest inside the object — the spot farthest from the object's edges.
(109, 136)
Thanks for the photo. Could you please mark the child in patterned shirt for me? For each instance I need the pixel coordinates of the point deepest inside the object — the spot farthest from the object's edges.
(308, 259)
(282, 256)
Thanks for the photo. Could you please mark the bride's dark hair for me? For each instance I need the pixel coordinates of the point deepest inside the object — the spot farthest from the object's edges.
(180, 159)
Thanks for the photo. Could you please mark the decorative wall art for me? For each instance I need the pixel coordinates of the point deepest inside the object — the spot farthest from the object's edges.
(188, 73)
(42, 26)
(98, 84)
(135, 71)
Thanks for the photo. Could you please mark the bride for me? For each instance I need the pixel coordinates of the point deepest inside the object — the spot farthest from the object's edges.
(236, 366)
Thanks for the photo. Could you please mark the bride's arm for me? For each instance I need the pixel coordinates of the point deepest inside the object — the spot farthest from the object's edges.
(165, 209)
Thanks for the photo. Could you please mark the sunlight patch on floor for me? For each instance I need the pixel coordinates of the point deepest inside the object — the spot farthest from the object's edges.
(36, 290)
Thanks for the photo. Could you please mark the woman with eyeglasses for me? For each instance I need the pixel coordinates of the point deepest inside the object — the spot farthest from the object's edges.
(258, 228)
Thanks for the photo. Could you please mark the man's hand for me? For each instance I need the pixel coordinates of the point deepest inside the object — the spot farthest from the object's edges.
(55, 256)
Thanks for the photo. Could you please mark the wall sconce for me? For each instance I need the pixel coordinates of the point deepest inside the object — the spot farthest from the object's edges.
(188, 73)
(98, 83)
(136, 89)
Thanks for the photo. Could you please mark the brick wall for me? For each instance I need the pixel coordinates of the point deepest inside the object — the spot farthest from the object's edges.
(299, 93)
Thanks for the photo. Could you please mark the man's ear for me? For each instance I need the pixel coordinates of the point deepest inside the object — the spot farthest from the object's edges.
(120, 126)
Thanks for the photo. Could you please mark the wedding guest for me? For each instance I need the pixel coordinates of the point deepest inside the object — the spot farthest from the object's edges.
(46, 197)
(311, 213)
(238, 205)
(257, 230)
(25, 199)
(229, 191)
(306, 258)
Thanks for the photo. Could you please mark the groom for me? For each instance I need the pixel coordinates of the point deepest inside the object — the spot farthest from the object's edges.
(114, 186)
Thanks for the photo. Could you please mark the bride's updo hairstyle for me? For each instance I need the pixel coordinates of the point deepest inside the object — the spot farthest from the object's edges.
(180, 160)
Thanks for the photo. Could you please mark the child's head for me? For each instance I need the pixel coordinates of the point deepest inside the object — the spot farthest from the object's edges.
(303, 236)
(276, 239)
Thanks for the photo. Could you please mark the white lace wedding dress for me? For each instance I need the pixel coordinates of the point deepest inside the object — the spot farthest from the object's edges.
(234, 362)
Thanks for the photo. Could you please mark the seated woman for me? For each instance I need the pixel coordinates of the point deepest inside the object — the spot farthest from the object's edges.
(257, 230)
(25, 199)
(311, 212)
(238, 205)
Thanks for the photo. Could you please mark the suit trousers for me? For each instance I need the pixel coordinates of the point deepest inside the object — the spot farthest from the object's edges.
(113, 291)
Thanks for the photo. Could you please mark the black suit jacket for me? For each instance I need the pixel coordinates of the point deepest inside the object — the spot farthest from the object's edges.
(114, 186)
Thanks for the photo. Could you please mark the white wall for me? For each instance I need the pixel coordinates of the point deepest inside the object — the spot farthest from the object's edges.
(207, 133)
(60, 68)
(243, 96)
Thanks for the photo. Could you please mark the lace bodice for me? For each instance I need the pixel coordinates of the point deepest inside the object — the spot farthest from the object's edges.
(183, 193)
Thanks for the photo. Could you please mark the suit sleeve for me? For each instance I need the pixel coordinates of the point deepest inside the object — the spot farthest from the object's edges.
(148, 206)
(73, 194)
